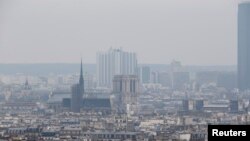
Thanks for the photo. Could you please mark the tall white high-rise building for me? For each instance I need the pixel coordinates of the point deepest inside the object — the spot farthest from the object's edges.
(114, 62)
(244, 46)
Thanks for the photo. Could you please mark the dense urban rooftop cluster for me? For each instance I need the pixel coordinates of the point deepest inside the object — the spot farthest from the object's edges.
(164, 105)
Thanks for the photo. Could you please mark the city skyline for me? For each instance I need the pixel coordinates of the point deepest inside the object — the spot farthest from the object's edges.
(124, 70)
(172, 31)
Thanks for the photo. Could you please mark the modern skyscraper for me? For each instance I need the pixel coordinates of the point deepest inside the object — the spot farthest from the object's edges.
(244, 46)
(77, 94)
(144, 74)
(114, 62)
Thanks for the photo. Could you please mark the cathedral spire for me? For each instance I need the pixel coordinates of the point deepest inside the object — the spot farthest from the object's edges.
(26, 82)
(81, 75)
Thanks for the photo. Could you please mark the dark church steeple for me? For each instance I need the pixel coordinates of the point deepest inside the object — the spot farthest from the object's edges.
(26, 84)
(81, 81)
(77, 94)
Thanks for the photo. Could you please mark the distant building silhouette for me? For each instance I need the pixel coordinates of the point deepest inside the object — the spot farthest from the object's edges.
(77, 94)
(244, 46)
(144, 74)
(114, 62)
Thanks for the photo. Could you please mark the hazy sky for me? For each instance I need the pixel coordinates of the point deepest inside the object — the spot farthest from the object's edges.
(195, 32)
